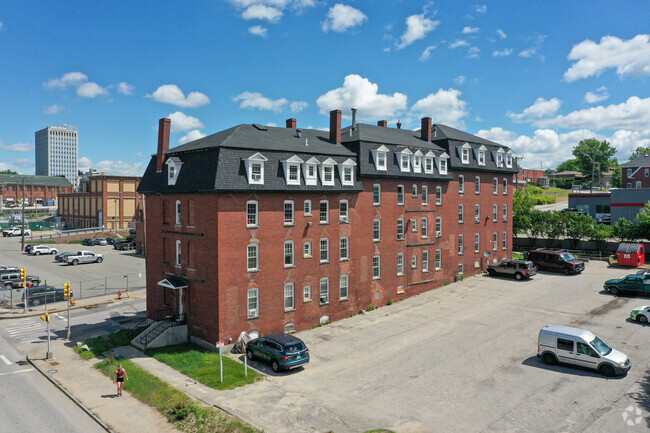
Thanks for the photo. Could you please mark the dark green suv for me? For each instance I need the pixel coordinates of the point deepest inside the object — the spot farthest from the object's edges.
(43, 294)
(282, 351)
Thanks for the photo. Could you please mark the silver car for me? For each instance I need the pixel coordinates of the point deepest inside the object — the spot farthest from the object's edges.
(518, 268)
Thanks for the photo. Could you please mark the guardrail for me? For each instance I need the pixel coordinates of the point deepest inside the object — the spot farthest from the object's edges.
(61, 233)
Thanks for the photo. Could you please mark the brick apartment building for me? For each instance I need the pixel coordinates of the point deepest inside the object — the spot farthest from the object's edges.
(271, 229)
(37, 188)
(104, 200)
(636, 173)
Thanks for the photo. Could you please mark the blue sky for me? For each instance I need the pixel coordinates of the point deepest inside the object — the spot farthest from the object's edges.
(536, 76)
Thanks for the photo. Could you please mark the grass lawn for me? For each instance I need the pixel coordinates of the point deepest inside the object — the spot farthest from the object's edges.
(203, 366)
(185, 413)
(99, 345)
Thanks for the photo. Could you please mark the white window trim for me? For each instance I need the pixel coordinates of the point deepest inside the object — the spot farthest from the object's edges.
(344, 217)
(464, 153)
(307, 250)
(405, 161)
(177, 207)
(292, 297)
(347, 248)
(327, 212)
(424, 192)
(324, 299)
(505, 186)
(257, 158)
(424, 227)
(441, 169)
(293, 213)
(438, 223)
(328, 163)
(174, 165)
(257, 214)
(179, 254)
(438, 196)
(495, 213)
(348, 163)
(461, 214)
(400, 229)
(461, 245)
(461, 184)
(495, 186)
(378, 222)
(293, 162)
(306, 293)
(477, 185)
(378, 276)
(293, 254)
(477, 213)
(403, 194)
(327, 250)
(425, 261)
(383, 150)
(429, 163)
(346, 285)
(305, 206)
(311, 179)
(438, 260)
(400, 264)
(378, 187)
(255, 312)
(257, 258)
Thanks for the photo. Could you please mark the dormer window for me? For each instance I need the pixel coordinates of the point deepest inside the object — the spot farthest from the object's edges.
(255, 168)
(498, 157)
(347, 172)
(174, 165)
(310, 170)
(327, 172)
(442, 163)
(405, 160)
(292, 170)
(481, 155)
(380, 156)
(417, 162)
(428, 162)
(509, 158)
(464, 153)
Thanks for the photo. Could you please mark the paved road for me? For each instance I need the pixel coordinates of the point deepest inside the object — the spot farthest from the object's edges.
(29, 403)
(87, 280)
(461, 358)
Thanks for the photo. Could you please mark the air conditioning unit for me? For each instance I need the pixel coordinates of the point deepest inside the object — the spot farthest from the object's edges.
(323, 300)
(252, 313)
(438, 234)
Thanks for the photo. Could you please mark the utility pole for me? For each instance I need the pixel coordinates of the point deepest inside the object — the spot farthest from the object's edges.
(22, 230)
(593, 165)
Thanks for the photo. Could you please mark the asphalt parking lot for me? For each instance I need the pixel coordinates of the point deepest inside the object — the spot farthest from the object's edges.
(118, 269)
(462, 358)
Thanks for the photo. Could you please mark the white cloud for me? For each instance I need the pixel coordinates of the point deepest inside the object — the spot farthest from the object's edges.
(472, 52)
(53, 109)
(467, 30)
(298, 106)
(255, 100)
(262, 12)
(460, 79)
(24, 163)
(630, 57)
(459, 43)
(172, 94)
(536, 43)
(503, 53)
(341, 18)
(141, 155)
(118, 168)
(501, 34)
(125, 88)
(68, 79)
(183, 122)
(91, 90)
(258, 31)
(417, 27)
(17, 147)
(599, 95)
(480, 9)
(360, 93)
(444, 106)
(194, 134)
(633, 114)
(84, 163)
(541, 108)
(426, 54)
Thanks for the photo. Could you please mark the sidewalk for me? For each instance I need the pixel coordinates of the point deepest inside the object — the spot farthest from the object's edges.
(97, 393)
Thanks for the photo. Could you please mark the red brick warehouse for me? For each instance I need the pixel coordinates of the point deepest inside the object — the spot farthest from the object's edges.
(272, 229)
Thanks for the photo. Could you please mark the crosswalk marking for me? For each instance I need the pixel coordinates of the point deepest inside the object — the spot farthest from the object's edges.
(5, 360)
(17, 371)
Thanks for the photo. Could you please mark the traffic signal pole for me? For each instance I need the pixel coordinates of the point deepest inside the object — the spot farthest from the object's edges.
(68, 294)
(46, 319)
(23, 277)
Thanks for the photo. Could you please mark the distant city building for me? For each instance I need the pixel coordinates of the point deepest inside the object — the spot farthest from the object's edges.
(42, 190)
(530, 175)
(57, 152)
(103, 200)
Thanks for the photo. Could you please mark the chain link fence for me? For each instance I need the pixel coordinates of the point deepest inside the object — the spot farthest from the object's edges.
(84, 289)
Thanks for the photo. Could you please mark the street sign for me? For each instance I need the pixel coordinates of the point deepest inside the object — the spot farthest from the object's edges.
(220, 344)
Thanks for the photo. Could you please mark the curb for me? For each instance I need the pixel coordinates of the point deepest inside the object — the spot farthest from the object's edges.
(71, 397)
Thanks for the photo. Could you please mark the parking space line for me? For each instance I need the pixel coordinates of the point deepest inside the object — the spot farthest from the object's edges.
(5, 360)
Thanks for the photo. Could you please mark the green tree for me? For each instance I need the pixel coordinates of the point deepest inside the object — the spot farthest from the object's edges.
(640, 151)
(8, 172)
(579, 227)
(642, 222)
(591, 150)
(568, 165)
(522, 205)
(625, 230)
(553, 225)
(617, 178)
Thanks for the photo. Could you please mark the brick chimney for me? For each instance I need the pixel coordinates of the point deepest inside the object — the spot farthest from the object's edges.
(383, 123)
(164, 125)
(335, 126)
(292, 123)
(425, 131)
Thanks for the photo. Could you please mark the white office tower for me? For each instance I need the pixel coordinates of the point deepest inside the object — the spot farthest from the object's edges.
(57, 151)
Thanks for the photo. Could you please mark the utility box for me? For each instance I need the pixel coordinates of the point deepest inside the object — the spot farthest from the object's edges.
(629, 254)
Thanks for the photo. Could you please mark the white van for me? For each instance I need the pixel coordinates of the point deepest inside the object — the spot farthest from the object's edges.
(563, 344)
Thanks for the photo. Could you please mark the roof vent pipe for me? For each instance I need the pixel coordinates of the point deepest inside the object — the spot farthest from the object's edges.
(399, 125)
(298, 133)
(354, 117)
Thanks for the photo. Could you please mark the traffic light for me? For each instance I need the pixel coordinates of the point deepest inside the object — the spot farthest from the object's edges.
(23, 274)
(73, 302)
(46, 318)
(66, 290)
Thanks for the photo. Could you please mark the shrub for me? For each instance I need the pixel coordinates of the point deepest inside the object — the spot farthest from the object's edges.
(390, 301)
(370, 307)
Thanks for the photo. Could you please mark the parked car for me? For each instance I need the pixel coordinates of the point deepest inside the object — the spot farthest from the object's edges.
(28, 247)
(641, 314)
(638, 284)
(556, 260)
(83, 257)
(574, 346)
(59, 257)
(100, 241)
(12, 280)
(111, 241)
(43, 294)
(130, 238)
(4, 268)
(124, 245)
(514, 267)
(15, 231)
(88, 242)
(37, 250)
(282, 351)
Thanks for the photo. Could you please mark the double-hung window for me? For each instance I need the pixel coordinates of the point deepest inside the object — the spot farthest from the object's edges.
(307, 207)
(461, 213)
(324, 250)
(288, 213)
(253, 303)
(179, 253)
(438, 260)
(505, 212)
(461, 184)
(477, 242)
(414, 261)
(461, 244)
(376, 267)
(414, 225)
(344, 248)
(252, 258)
(438, 227)
(424, 226)
(415, 191)
(400, 228)
(288, 254)
(438, 196)
(289, 298)
(178, 212)
(376, 195)
(343, 211)
(477, 185)
(324, 211)
(495, 241)
(307, 250)
(344, 289)
(400, 264)
(504, 244)
(495, 212)
(324, 291)
(251, 214)
(425, 195)
(376, 230)
(505, 186)
(400, 194)
(496, 185)
(425, 261)
(477, 213)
